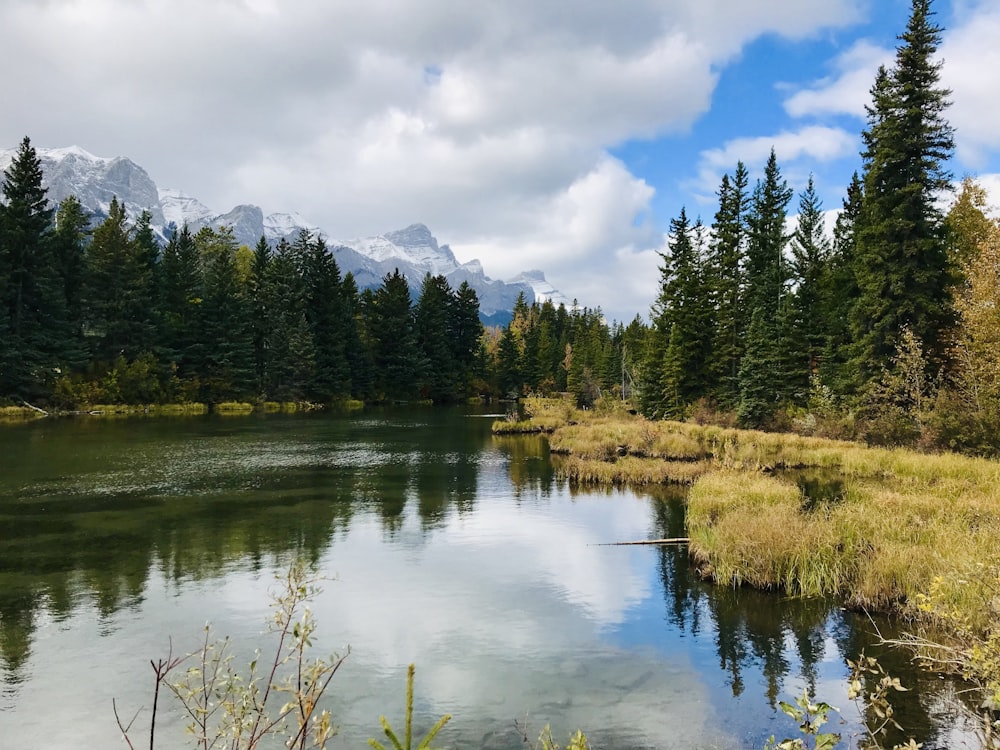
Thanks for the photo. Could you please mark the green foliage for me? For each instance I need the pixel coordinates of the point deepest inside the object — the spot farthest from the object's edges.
(236, 709)
(897, 407)
(902, 264)
(407, 742)
(811, 717)
(577, 741)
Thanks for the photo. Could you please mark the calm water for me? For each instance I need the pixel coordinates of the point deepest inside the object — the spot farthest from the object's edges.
(450, 548)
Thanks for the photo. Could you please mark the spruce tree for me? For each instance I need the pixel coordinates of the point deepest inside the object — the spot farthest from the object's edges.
(725, 285)
(431, 320)
(117, 290)
(465, 330)
(72, 236)
(902, 264)
(326, 314)
(398, 362)
(766, 281)
(32, 297)
(810, 254)
(841, 291)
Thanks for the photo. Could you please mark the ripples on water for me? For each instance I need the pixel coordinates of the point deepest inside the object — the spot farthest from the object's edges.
(449, 547)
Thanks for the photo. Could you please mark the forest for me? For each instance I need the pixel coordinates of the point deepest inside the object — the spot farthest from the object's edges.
(886, 331)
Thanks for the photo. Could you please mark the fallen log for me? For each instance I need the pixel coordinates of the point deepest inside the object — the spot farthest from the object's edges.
(675, 540)
(35, 408)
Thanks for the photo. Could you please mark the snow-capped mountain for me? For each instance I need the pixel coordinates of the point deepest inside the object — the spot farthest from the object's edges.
(543, 290)
(94, 180)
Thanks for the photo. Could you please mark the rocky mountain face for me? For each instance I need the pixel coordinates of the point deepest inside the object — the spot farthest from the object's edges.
(94, 180)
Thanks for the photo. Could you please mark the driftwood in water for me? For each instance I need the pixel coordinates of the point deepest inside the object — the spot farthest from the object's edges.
(675, 540)
(35, 408)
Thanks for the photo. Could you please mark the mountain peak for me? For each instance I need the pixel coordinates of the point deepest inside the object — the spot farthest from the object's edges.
(415, 235)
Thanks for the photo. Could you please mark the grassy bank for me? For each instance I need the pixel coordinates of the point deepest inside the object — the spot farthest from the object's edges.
(912, 533)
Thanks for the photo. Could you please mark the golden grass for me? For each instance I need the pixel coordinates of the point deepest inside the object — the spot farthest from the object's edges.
(233, 407)
(880, 547)
(905, 523)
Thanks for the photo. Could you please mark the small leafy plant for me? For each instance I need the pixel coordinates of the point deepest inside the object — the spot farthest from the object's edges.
(235, 711)
(811, 716)
(406, 744)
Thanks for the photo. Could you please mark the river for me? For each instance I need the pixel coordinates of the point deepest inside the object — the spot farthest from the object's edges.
(442, 545)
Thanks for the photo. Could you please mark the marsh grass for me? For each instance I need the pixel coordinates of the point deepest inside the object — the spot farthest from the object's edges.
(18, 413)
(913, 533)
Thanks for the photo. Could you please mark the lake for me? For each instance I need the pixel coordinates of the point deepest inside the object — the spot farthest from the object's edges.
(444, 545)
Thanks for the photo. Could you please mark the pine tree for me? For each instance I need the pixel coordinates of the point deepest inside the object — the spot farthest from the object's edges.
(32, 297)
(725, 285)
(72, 236)
(180, 296)
(398, 362)
(226, 368)
(810, 254)
(680, 319)
(766, 287)
(464, 331)
(902, 264)
(326, 314)
(118, 283)
(359, 354)
(841, 287)
(431, 320)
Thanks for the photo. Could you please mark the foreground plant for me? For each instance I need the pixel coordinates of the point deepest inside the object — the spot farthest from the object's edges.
(407, 743)
(229, 709)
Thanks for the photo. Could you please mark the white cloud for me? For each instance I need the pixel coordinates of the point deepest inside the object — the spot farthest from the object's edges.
(797, 151)
(490, 122)
(847, 92)
(971, 56)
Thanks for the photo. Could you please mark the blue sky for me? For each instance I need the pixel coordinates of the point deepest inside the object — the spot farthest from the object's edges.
(749, 102)
(544, 134)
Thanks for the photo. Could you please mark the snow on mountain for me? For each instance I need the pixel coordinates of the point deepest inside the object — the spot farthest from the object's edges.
(542, 289)
(286, 225)
(95, 180)
(178, 208)
(415, 245)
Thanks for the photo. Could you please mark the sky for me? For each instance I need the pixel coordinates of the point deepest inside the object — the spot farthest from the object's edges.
(560, 135)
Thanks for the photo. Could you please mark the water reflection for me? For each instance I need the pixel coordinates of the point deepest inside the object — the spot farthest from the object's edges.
(452, 546)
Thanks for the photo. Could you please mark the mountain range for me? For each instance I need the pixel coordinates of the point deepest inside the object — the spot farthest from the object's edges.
(95, 180)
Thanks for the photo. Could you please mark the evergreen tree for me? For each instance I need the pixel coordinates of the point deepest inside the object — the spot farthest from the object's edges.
(118, 283)
(766, 279)
(72, 236)
(431, 320)
(33, 317)
(725, 284)
(181, 303)
(841, 287)
(226, 368)
(464, 331)
(902, 264)
(766, 269)
(359, 354)
(325, 312)
(260, 310)
(398, 362)
(810, 254)
(680, 317)
(289, 349)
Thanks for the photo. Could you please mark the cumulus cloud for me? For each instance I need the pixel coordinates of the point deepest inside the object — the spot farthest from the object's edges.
(847, 90)
(491, 122)
(796, 151)
(971, 53)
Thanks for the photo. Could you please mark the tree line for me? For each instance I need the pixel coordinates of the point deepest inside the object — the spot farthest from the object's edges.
(105, 315)
(887, 331)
